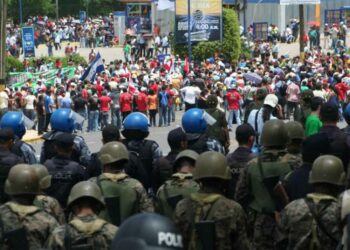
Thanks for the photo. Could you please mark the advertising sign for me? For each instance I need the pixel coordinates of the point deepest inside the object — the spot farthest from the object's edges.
(298, 2)
(119, 25)
(28, 41)
(138, 17)
(206, 20)
(82, 16)
(260, 30)
(332, 16)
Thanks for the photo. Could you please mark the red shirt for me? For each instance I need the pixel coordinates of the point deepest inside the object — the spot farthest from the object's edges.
(154, 87)
(125, 101)
(171, 97)
(99, 89)
(141, 102)
(104, 103)
(233, 98)
(342, 89)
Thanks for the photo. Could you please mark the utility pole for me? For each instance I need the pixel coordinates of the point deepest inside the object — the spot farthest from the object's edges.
(301, 35)
(189, 44)
(3, 18)
(56, 10)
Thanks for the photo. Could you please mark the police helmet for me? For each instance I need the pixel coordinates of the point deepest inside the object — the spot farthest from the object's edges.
(85, 189)
(14, 120)
(147, 231)
(211, 165)
(62, 120)
(136, 121)
(193, 121)
(43, 175)
(22, 179)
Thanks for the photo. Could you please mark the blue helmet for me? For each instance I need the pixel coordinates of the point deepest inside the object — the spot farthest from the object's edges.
(62, 120)
(15, 121)
(193, 121)
(136, 121)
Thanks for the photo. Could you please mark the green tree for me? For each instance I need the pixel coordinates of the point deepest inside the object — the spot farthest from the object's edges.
(230, 46)
(30, 8)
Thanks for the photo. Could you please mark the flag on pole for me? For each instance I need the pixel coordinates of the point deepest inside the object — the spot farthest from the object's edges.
(96, 66)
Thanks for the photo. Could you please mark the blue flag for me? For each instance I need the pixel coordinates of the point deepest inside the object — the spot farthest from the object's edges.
(96, 66)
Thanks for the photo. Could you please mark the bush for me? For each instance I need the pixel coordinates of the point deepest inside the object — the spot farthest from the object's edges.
(12, 64)
(230, 47)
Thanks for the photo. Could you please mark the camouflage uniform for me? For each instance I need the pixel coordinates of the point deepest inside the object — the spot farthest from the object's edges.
(51, 206)
(145, 204)
(228, 216)
(294, 160)
(179, 184)
(89, 230)
(37, 224)
(298, 228)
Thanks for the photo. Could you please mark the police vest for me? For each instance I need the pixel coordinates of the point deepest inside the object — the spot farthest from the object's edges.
(262, 200)
(173, 191)
(120, 197)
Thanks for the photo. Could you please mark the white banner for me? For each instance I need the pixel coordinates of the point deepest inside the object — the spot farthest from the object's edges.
(298, 2)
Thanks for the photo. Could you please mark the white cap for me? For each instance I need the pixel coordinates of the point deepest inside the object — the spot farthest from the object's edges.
(271, 100)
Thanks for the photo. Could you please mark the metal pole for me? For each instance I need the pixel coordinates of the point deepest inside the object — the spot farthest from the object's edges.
(20, 12)
(56, 10)
(301, 23)
(189, 33)
(3, 19)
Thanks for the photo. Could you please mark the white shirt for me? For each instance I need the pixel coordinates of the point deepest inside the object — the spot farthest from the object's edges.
(260, 122)
(190, 93)
(4, 100)
(29, 101)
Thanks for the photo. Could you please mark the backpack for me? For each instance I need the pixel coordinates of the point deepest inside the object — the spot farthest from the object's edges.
(173, 191)
(119, 196)
(164, 100)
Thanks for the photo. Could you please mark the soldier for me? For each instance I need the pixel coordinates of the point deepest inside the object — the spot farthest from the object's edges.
(148, 231)
(195, 126)
(45, 202)
(62, 121)
(124, 196)
(7, 158)
(135, 132)
(345, 212)
(218, 130)
(16, 121)
(180, 186)
(238, 160)
(314, 222)
(258, 187)
(85, 230)
(23, 225)
(207, 218)
(296, 137)
(65, 172)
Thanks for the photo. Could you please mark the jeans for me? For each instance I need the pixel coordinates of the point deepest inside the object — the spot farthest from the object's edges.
(116, 119)
(41, 124)
(93, 120)
(152, 117)
(172, 108)
(162, 116)
(80, 126)
(47, 121)
(171, 114)
(104, 119)
(235, 113)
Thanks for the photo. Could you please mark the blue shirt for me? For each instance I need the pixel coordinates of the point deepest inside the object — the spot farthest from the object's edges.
(48, 102)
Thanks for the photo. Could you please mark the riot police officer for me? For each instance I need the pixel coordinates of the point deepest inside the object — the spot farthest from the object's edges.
(148, 231)
(16, 121)
(195, 126)
(124, 196)
(62, 121)
(85, 230)
(24, 226)
(135, 131)
(259, 190)
(65, 172)
(200, 217)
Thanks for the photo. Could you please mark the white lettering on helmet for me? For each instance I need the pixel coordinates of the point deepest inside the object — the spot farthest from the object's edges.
(169, 239)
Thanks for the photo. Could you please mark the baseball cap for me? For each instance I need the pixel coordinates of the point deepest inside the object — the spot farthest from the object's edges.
(271, 100)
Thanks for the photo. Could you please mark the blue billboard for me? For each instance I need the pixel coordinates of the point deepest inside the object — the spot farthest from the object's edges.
(28, 41)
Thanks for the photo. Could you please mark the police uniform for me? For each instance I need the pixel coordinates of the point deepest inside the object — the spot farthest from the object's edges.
(24, 150)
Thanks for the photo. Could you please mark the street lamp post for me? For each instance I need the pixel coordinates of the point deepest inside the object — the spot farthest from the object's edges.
(3, 19)
(189, 33)
(20, 12)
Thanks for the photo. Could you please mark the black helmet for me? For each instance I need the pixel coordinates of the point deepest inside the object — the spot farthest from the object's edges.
(147, 231)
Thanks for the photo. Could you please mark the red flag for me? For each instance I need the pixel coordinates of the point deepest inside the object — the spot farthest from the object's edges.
(168, 64)
(186, 66)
